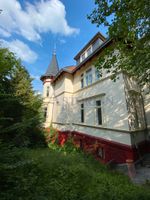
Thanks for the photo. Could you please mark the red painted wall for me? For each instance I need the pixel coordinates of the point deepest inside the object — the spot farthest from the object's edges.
(112, 151)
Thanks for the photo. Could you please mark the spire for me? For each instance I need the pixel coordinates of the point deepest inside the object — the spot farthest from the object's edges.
(53, 67)
(54, 51)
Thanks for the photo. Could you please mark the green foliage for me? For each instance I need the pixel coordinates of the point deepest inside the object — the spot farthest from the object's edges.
(128, 23)
(20, 118)
(53, 142)
(53, 175)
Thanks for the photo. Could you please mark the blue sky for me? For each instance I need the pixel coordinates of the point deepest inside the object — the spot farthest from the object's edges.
(31, 28)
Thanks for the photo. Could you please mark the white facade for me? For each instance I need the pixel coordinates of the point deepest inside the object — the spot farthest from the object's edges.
(66, 96)
(79, 100)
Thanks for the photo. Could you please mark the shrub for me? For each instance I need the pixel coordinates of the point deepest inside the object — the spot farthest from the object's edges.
(45, 174)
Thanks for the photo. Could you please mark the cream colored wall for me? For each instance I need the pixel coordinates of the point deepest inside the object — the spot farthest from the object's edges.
(63, 84)
(59, 85)
(114, 111)
(64, 108)
(114, 108)
(136, 117)
(146, 98)
(63, 97)
(48, 101)
(47, 83)
(69, 83)
(119, 137)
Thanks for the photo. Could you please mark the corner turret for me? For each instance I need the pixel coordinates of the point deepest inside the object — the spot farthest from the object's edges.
(48, 90)
(52, 69)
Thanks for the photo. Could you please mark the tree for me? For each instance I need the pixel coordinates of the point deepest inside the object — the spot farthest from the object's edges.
(20, 114)
(128, 23)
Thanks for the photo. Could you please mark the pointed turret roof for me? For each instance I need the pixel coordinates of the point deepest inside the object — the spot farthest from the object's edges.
(53, 67)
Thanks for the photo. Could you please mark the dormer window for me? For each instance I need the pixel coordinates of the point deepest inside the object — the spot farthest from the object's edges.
(78, 61)
(83, 56)
(97, 43)
(89, 51)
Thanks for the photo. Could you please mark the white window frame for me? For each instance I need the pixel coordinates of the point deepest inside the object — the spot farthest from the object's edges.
(82, 113)
(89, 49)
(82, 81)
(99, 122)
(83, 56)
(89, 77)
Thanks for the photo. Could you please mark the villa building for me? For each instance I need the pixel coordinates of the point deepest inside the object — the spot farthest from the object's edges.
(112, 117)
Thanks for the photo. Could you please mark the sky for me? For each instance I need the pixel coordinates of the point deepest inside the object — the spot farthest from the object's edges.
(33, 28)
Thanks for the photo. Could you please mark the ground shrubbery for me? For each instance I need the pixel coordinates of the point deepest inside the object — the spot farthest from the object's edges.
(29, 170)
(54, 174)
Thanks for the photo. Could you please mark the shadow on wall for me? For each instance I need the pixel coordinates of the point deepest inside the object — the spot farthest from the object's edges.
(113, 106)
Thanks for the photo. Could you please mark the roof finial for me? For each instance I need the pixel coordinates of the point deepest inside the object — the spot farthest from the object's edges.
(54, 51)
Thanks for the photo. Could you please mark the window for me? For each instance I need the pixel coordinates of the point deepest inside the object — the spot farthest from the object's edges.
(83, 56)
(97, 74)
(89, 51)
(97, 43)
(82, 81)
(47, 91)
(78, 61)
(101, 153)
(82, 113)
(98, 112)
(45, 113)
(89, 77)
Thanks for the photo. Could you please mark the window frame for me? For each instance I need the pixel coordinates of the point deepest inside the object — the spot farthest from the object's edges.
(98, 108)
(101, 152)
(45, 113)
(47, 91)
(89, 77)
(82, 81)
(89, 50)
(83, 56)
(82, 119)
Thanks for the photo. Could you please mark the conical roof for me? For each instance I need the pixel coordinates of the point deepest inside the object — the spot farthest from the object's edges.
(53, 67)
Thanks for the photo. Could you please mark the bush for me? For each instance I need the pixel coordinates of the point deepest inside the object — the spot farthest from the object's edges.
(56, 142)
(45, 174)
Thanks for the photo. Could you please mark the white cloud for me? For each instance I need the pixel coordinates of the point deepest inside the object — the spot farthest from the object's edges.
(40, 17)
(21, 50)
(4, 33)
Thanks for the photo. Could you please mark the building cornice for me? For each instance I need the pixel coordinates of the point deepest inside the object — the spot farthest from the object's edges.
(102, 128)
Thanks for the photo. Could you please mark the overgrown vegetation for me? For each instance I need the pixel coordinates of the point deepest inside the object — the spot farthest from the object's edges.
(64, 145)
(59, 172)
(20, 107)
(55, 175)
(128, 24)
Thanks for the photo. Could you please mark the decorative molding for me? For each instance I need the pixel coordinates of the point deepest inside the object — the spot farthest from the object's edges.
(94, 96)
(100, 127)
